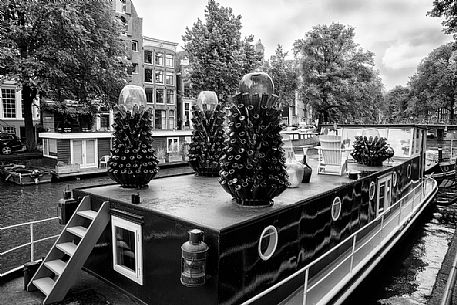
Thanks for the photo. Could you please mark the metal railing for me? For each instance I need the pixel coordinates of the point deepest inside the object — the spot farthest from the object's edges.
(354, 257)
(31, 243)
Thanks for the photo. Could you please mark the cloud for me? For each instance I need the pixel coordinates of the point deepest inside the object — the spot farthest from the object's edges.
(402, 55)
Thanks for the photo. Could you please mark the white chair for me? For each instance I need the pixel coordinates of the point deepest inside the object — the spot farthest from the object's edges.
(104, 161)
(332, 156)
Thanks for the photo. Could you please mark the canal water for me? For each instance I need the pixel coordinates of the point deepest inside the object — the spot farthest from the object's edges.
(406, 276)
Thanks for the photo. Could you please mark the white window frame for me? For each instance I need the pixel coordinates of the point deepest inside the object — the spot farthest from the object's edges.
(47, 148)
(161, 101)
(169, 78)
(158, 59)
(11, 101)
(152, 76)
(174, 140)
(134, 46)
(169, 58)
(136, 276)
(158, 77)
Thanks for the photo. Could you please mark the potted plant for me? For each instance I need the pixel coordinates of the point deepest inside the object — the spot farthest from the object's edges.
(133, 162)
(371, 150)
(206, 146)
(253, 164)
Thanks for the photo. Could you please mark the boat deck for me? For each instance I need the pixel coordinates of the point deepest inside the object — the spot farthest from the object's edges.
(87, 290)
(202, 200)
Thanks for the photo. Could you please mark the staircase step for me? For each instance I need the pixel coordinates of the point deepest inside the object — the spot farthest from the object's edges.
(78, 231)
(45, 284)
(88, 214)
(68, 248)
(57, 266)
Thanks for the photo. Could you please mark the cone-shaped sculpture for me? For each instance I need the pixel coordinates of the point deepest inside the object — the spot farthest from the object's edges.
(207, 143)
(133, 162)
(253, 165)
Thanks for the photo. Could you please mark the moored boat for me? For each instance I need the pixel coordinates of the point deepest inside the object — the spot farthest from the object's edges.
(315, 244)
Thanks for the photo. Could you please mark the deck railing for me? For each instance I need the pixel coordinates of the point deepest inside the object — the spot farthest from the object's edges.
(31, 243)
(357, 249)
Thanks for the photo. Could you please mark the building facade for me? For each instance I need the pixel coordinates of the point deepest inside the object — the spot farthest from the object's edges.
(159, 81)
(11, 110)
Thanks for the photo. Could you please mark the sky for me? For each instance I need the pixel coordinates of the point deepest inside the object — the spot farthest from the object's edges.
(398, 32)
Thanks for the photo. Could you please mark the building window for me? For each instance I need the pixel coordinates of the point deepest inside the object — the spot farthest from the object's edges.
(159, 77)
(127, 248)
(159, 59)
(135, 45)
(160, 119)
(169, 60)
(171, 119)
(187, 90)
(172, 145)
(9, 103)
(148, 92)
(9, 129)
(169, 78)
(148, 57)
(159, 96)
(170, 97)
(104, 121)
(148, 75)
(187, 114)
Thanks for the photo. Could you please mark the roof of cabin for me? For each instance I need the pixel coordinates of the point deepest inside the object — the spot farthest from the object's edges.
(202, 200)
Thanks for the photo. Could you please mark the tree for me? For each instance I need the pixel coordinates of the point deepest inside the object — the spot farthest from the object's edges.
(61, 50)
(284, 77)
(218, 56)
(434, 84)
(338, 78)
(395, 104)
(448, 10)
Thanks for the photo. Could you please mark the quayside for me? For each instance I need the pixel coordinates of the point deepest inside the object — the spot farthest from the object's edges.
(314, 245)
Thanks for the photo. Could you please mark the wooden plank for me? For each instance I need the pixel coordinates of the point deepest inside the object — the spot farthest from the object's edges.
(79, 231)
(45, 284)
(68, 248)
(87, 214)
(57, 266)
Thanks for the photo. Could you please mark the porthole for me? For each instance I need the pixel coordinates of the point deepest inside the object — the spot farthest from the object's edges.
(336, 208)
(268, 242)
(408, 171)
(371, 190)
(394, 178)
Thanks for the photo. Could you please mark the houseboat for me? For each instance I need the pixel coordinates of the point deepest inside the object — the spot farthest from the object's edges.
(314, 245)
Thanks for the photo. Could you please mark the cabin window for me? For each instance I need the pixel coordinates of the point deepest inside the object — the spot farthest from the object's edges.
(394, 179)
(268, 242)
(127, 248)
(50, 147)
(336, 208)
(408, 171)
(371, 191)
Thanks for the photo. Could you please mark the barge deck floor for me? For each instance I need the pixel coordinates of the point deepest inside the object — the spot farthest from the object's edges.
(202, 200)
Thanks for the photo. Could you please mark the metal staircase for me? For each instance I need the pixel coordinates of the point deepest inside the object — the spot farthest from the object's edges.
(56, 274)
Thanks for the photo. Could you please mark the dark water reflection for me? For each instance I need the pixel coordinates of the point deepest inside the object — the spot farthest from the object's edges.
(408, 273)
